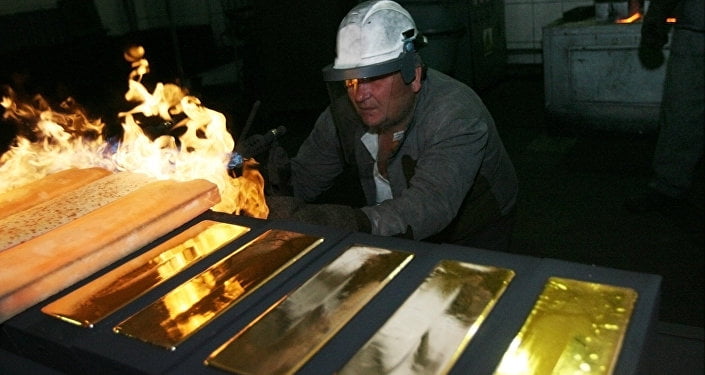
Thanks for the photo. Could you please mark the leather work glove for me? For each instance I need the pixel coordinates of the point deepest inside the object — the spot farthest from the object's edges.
(282, 206)
(278, 172)
(331, 215)
(654, 35)
(651, 58)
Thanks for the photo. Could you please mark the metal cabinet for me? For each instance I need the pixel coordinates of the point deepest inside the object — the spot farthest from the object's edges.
(593, 77)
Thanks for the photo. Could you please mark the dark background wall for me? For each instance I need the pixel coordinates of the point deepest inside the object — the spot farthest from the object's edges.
(279, 49)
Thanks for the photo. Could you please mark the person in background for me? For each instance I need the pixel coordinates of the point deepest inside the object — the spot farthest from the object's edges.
(679, 146)
(426, 151)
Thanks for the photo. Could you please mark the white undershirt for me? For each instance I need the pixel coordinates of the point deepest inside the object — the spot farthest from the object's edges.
(382, 186)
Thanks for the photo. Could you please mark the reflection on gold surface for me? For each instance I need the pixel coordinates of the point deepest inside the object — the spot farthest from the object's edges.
(575, 328)
(94, 301)
(430, 330)
(180, 313)
(283, 338)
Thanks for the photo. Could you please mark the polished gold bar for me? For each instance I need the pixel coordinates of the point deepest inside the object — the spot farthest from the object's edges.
(184, 310)
(429, 332)
(575, 327)
(103, 296)
(290, 332)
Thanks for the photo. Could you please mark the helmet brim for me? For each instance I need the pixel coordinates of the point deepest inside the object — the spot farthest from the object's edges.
(331, 74)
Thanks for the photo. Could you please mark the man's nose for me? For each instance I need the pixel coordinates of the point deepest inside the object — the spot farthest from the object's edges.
(361, 91)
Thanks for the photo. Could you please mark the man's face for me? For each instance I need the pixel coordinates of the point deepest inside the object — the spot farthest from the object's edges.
(383, 102)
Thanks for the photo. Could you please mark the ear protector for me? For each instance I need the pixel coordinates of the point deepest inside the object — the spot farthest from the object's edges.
(408, 60)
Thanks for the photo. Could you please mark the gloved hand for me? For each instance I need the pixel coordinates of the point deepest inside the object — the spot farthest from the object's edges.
(331, 215)
(282, 206)
(278, 172)
(651, 58)
(654, 35)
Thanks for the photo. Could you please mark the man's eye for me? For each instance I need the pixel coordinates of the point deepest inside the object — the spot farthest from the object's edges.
(350, 83)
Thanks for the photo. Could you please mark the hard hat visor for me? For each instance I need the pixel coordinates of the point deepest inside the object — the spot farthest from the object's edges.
(331, 74)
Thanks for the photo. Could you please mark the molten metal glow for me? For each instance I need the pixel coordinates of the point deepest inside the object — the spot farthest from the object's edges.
(633, 18)
(59, 139)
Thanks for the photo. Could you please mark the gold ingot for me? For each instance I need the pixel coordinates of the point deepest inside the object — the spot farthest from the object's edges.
(290, 332)
(575, 327)
(103, 296)
(429, 332)
(184, 310)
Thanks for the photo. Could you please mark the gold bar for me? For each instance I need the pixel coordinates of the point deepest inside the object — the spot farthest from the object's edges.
(103, 296)
(183, 311)
(429, 332)
(285, 337)
(575, 327)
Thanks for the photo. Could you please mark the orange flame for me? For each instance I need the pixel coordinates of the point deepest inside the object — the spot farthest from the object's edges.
(56, 141)
(67, 139)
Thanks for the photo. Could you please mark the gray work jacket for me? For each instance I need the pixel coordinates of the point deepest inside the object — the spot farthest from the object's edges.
(451, 158)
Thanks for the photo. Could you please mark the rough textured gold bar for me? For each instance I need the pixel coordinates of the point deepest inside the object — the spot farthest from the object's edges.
(103, 296)
(183, 311)
(575, 327)
(427, 334)
(283, 338)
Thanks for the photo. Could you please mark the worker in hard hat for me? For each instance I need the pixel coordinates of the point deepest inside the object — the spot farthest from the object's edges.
(428, 156)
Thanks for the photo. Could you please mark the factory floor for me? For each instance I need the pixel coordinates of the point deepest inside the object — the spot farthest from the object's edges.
(573, 183)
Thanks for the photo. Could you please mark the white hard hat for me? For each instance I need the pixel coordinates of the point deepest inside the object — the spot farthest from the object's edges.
(375, 38)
